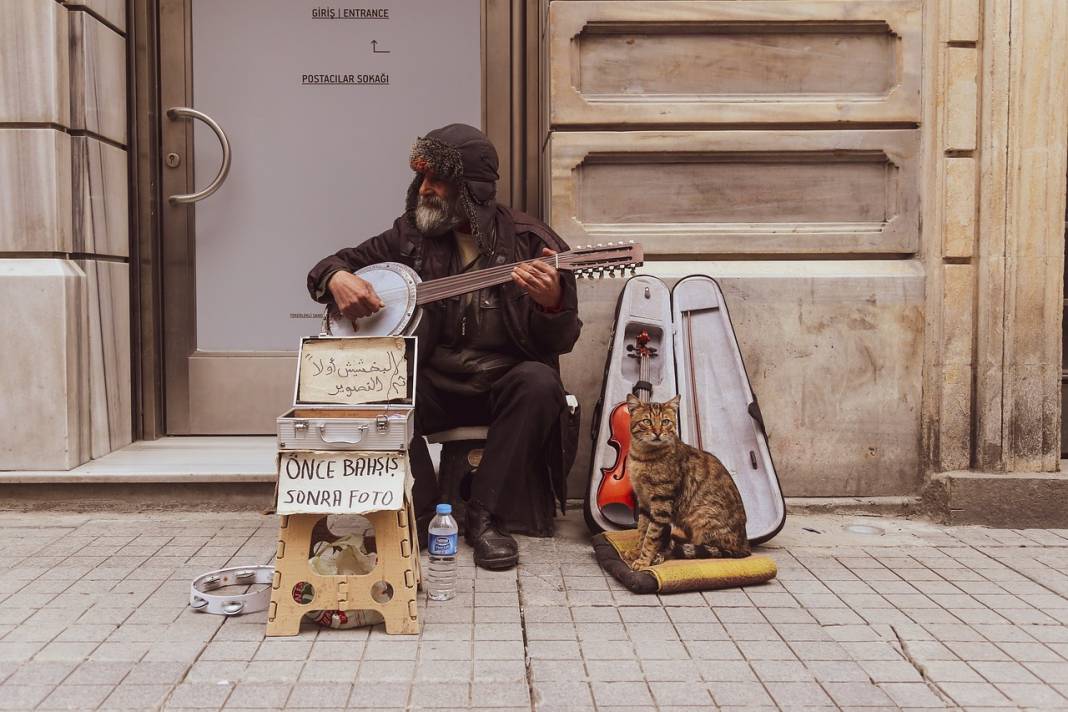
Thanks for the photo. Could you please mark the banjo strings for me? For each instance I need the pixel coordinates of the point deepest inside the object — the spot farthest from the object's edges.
(445, 287)
(460, 284)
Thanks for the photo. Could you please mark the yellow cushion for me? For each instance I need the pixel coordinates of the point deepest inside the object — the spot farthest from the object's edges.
(678, 575)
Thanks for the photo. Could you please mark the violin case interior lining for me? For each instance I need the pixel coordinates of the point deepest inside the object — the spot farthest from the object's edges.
(644, 305)
(723, 403)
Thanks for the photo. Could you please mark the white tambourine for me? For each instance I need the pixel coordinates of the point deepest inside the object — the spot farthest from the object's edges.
(233, 605)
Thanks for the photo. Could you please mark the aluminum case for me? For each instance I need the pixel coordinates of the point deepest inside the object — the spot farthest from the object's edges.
(368, 426)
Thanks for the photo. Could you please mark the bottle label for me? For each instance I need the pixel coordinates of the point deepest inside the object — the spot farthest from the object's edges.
(443, 544)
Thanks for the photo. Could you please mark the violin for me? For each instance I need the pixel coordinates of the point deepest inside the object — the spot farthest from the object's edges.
(615, 489)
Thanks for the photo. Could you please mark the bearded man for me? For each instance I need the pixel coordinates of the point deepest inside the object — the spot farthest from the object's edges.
(485, 358)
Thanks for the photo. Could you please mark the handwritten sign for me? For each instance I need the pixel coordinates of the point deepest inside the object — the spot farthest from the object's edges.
(352, 371)
(341, 482)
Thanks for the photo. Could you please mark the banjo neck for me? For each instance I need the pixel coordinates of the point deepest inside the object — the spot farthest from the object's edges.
(457, 284)
(583, 261)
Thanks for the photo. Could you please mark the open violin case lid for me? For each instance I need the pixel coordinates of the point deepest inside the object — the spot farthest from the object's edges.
(719, 412)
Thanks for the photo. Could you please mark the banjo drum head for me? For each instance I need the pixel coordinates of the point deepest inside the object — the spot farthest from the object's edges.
(395, 284)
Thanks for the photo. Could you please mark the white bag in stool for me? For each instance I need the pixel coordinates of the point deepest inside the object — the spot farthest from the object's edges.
(346, 556)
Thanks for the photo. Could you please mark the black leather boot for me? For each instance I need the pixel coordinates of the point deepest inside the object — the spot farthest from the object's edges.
(494, 546)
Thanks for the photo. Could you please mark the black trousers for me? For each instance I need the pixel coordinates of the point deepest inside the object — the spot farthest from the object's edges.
(521, 409)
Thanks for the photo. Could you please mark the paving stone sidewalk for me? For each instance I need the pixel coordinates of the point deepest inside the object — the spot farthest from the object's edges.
(94, 616)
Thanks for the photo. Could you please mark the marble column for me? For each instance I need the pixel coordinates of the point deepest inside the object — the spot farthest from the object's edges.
(64, 233)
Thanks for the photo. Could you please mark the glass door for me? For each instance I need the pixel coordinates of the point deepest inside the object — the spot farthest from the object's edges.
(294, 120)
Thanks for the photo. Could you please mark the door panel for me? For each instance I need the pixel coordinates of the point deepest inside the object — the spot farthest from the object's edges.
(749, 61)
(739, 192)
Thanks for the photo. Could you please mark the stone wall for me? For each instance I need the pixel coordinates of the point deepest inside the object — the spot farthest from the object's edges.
(64, 238)
(879, 187)
(996, 253)
(778, 148)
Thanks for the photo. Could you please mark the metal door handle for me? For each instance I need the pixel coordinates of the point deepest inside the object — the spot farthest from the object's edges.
(184, 112)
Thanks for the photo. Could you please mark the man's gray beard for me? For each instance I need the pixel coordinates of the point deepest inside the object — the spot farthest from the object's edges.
(435, 216)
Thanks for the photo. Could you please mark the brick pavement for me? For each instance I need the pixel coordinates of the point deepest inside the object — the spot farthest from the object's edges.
(93, 615)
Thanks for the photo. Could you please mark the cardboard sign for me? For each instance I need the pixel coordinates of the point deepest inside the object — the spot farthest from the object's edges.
(340, 482)
(352, 371)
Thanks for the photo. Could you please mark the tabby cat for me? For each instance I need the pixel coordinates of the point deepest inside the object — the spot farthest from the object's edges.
(688, 505)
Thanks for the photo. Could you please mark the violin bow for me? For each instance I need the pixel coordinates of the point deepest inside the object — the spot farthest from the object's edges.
(687, 317)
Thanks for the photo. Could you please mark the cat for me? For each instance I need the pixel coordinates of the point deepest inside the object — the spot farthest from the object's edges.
(688, 505)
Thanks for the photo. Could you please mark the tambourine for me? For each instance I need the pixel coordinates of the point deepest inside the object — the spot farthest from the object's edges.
(235, 604)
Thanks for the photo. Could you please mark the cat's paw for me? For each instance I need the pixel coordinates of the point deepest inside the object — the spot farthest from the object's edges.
(639, 564)
(658, 559)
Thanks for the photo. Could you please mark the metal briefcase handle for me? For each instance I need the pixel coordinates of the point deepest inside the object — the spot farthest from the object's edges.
(342, 439)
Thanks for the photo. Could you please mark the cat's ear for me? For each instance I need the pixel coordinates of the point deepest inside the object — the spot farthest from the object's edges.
(674, 402)
(632, 402)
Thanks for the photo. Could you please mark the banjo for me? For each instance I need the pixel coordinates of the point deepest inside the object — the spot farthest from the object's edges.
(404, 293)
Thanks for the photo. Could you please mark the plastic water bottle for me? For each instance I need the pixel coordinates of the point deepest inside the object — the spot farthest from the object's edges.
(442, 551)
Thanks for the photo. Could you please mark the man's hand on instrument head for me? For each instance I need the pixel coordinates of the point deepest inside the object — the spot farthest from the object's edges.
(540, 280)
(354, 296)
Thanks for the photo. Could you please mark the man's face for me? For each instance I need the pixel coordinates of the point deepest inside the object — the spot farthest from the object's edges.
(435, 211)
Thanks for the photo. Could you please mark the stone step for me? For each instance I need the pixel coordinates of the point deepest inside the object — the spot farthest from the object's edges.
(224, 473)
(172, 459)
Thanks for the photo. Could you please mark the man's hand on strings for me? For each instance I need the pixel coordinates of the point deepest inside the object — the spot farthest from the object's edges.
(540, 280)
(354, 296)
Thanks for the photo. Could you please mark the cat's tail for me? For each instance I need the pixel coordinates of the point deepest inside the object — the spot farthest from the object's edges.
(695, 551)
(688, 550)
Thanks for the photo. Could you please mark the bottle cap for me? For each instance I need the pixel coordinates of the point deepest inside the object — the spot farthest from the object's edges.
(444, 508)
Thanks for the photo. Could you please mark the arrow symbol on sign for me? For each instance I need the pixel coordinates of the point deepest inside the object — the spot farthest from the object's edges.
(374, 48)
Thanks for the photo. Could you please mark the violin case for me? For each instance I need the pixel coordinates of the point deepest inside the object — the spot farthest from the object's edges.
(719, 413)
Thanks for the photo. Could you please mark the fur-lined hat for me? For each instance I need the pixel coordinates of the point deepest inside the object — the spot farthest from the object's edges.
(463, 156)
